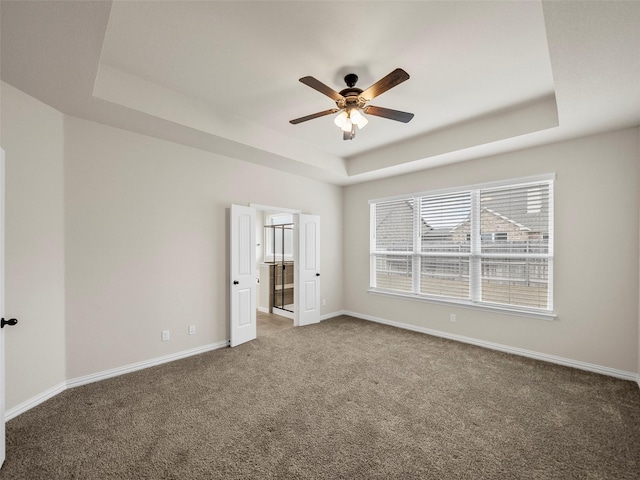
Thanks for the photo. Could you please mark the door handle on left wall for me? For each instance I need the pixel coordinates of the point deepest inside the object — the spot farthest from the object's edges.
(11, 322)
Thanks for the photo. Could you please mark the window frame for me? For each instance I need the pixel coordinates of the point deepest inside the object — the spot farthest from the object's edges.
(269, 239)
(475, 255)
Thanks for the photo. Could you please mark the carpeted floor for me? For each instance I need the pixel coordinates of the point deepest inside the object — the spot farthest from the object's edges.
(343, 399)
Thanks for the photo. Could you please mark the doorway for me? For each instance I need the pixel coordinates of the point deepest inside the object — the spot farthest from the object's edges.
(245, 275)
(276, 263)
(268, 324)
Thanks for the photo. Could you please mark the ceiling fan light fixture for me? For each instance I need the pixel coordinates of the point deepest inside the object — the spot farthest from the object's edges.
(347, 126)
(358, 119)
(340, 119)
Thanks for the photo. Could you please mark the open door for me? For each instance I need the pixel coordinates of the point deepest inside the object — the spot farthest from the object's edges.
(307, 281)
(242, 271)
(2, 429)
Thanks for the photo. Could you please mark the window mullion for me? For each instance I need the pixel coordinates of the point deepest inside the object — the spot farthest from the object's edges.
(550, 285)
(475, 268)
(372, 245)
(416, 261)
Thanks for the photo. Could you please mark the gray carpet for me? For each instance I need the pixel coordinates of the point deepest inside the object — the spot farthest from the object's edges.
(343, 399)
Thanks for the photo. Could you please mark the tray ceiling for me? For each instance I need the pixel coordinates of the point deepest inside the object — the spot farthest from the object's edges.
(486, 77)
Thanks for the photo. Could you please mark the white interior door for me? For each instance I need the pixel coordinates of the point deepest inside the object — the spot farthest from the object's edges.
(307, 280)
(2, 429)
(242, 270)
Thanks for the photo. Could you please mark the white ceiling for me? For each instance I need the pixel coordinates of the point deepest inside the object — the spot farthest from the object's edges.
(486, 77)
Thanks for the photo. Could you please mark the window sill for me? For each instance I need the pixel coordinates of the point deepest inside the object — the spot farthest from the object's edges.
(537, 314)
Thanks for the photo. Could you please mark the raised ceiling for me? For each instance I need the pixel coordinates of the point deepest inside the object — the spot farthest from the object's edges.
(486, 77)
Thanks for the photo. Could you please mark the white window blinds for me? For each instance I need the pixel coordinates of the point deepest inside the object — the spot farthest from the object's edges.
(394, 226)
(445, 247)
(486, 245)
(393, 243)
(515, 232)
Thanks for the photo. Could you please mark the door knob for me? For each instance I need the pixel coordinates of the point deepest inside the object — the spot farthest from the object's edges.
(236, 282)
(11, 321)
(317, 274)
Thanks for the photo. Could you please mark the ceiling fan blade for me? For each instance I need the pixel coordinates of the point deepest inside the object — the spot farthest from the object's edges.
(394, 78)
(396, 115)
(321, 87)
(314, 115)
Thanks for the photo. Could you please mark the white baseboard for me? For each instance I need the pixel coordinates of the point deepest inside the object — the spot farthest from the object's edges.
(76, 382)
(114, 372)
(327, 316)
(34, 401)
(567, 362)
(263, 309)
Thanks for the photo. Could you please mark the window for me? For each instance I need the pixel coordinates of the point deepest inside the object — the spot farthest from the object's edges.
(279, 240)
(487, 245)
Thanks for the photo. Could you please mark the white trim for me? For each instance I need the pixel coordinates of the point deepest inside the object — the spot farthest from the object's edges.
(515, 182)
(61, 387)
(458, 302)
(263, 309)
(269, 208)
(532, 179)
(407, 196)
(34, 401)
(327, 316)
(567, 362)
(114, 372)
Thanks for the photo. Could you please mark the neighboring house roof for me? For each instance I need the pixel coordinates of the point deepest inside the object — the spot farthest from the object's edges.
(523, 221)
(517, 224)
(393, 214)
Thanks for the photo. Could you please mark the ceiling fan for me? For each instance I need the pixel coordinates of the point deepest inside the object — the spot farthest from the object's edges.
(352, 102)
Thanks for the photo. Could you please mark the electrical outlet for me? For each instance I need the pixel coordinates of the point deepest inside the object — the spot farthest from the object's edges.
(165, 335)
(452, 317)
(324, 302)
(192, 329)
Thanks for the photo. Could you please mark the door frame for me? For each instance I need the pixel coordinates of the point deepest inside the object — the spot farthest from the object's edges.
(295, 213)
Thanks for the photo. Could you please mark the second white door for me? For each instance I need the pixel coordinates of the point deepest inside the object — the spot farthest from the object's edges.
(307, 285)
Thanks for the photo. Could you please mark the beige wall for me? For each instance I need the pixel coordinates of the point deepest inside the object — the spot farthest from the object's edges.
(146, 239)
(596, 251)
(112, 237)
(32, 136)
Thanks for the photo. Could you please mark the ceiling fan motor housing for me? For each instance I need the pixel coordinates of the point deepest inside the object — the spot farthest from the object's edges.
(351, 95)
